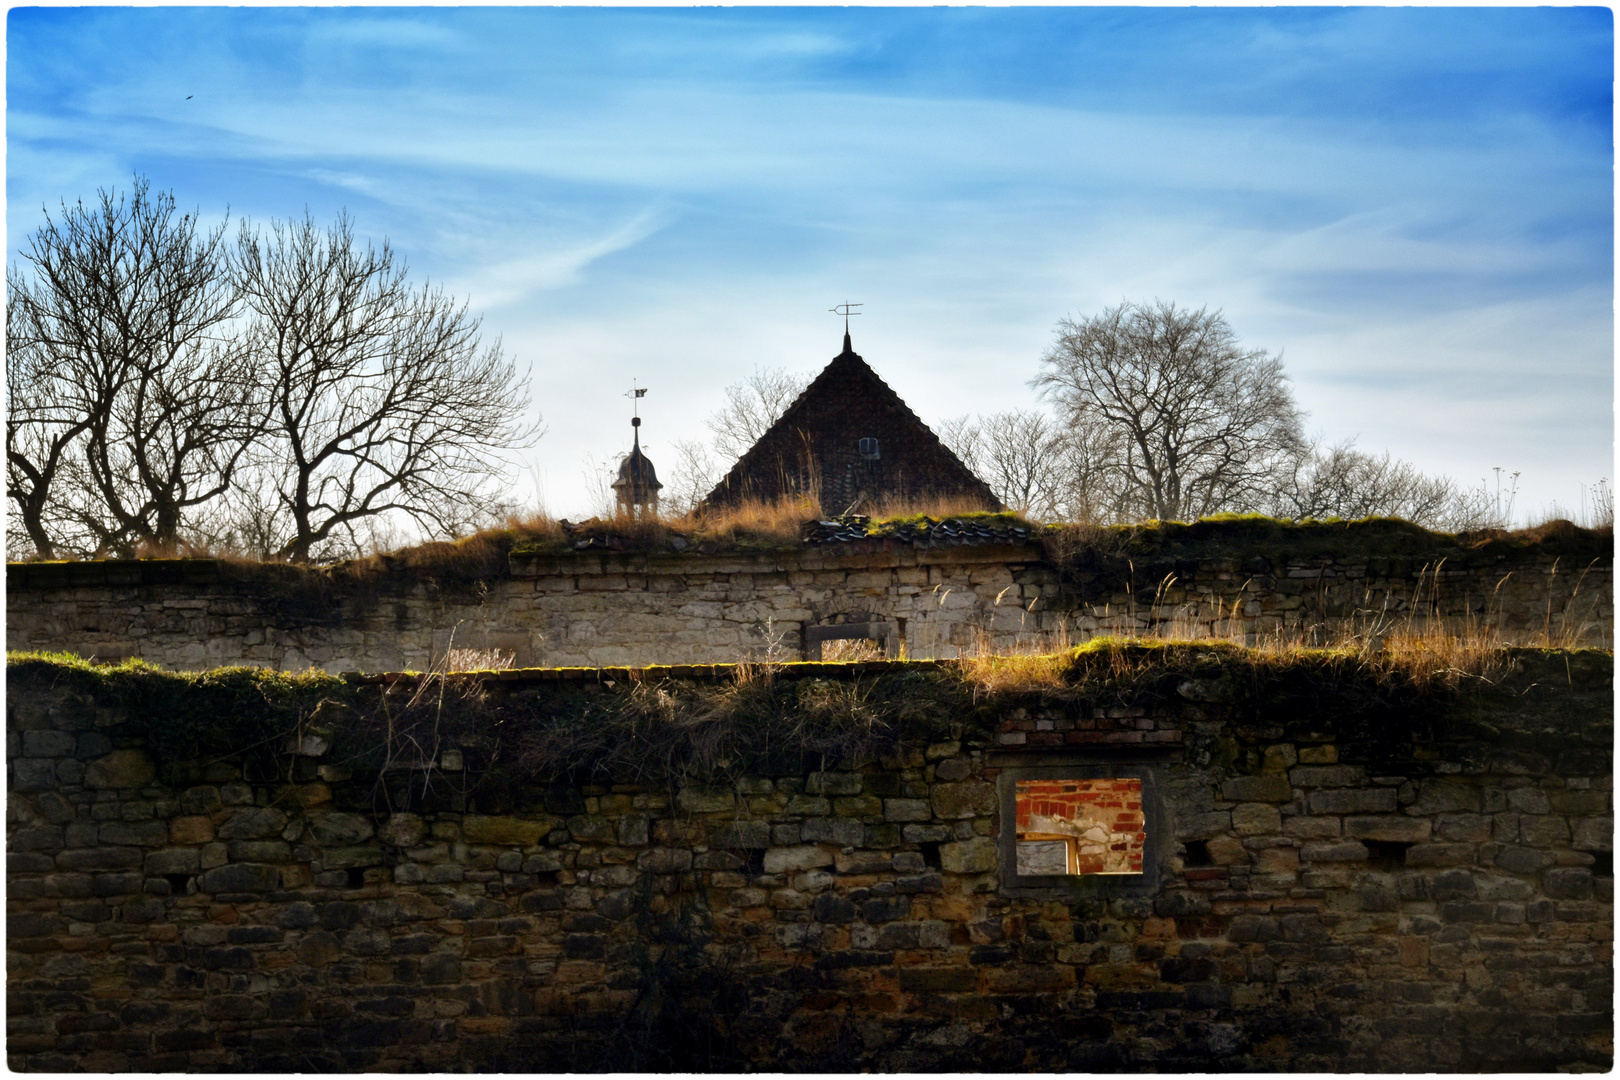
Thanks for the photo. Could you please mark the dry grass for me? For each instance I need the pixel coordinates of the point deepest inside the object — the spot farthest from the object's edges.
(751, 522)
(937, 507)
(852, 650)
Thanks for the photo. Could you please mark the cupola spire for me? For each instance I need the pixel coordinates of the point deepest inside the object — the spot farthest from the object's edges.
(637, 487)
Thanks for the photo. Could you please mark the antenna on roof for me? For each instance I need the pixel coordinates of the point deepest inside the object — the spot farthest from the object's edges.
(844, 310)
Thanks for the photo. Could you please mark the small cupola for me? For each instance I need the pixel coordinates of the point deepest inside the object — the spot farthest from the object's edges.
(637, 486)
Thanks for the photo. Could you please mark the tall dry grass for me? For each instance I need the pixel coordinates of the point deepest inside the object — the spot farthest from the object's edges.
(1407, 640)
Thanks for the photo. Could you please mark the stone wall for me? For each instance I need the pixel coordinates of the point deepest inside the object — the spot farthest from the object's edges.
(622, 608)
(1327, 894)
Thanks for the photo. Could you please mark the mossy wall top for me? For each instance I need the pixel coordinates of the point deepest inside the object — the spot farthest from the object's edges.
(928, 595)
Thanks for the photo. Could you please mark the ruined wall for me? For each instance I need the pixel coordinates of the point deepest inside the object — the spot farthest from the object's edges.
(594, 608)
(1329, 894)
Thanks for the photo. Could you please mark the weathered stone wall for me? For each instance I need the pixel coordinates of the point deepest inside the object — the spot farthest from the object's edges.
(602, 609)
(1331, 895)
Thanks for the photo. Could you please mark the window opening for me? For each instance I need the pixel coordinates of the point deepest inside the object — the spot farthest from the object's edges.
(869, 449)
(1080, 827)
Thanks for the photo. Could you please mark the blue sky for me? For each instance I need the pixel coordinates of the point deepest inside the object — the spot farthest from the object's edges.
(1414, 205)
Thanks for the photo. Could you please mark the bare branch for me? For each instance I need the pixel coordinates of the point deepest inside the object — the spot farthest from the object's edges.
(1203, 425)
(383, 400)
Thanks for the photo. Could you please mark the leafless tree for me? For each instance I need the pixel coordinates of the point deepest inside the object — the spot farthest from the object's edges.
(752, 406)
(1203, 423)
(129, 406)
(1340, 481)
(1037, 468)
(382, 399)
(693, 474)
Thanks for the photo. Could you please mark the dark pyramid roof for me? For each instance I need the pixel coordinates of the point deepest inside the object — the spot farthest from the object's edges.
(845, 402)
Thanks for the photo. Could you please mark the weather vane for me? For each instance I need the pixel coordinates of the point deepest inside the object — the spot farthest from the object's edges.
(844, 310)
(635, 395)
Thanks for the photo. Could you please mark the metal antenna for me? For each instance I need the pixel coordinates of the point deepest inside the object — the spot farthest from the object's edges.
(845, 312)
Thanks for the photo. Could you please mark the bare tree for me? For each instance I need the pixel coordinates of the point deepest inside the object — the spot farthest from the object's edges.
(1203, 423)
(1340, 481)
(383, 400)
(752, 406)
(129, 406)
(1037, 468)
(692, 476)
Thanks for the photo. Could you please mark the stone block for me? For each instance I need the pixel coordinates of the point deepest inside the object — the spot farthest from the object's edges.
(191, 829)
(48, 744)
(1327, 776)
(842, 831)
(403, 830)
(858, 806)
(254, 823)
(906, 810)
(939, 980)
(240, 877)
(1452, 885)
(1352, 801)
(1226, 851)
(1593, 834)
(742, 834)
(975, 856)
(515, 831)
(1426, 855)
(1446, 797)
(267, 851)
(341, 828)
(1256, 819)
(1388, 828)
(1342, 851)
(33, 774)
(833, 783)
(590, 829)
(1463, 828)
(120, 769)
(109, 858)
(1567, 883)
(1543, 830)
(706, 800)
(633, 830)
(663, 860)
(1312, 828)
(1267, 787)
(781, 860)
(173, 861)
(1254, 928)
(345, 858)
(140, 834)
(808, 806)
(863, 862)
(965, 800)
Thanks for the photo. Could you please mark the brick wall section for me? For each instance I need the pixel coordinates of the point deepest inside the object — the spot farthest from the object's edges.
(1339, 896)
(1112, 806)
(592, 609)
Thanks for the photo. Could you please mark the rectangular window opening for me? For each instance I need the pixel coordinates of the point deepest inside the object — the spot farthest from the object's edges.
(1080, 827)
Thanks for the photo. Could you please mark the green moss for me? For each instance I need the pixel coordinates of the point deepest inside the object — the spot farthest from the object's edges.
(888, 526)
(189, 715)
(518, 731)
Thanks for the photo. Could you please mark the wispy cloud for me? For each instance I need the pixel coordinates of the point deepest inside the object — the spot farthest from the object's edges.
(556, 266)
